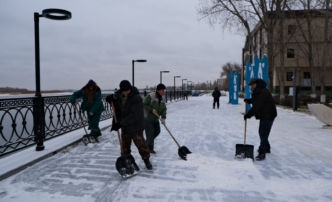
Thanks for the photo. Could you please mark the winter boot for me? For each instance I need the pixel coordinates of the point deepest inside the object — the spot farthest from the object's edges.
(260, 157)
(147, 164)
(152, 151)
(268, 151)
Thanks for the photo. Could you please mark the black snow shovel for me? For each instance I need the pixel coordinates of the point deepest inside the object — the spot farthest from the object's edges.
(243, 151)
(125, 164)
(183, 151)
(86, 139)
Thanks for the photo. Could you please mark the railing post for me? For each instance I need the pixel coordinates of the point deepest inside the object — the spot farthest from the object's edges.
(39, 122)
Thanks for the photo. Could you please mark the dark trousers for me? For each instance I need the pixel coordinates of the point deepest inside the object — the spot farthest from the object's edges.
(138, 141)
(152, 130)
(216, 100)
(185, 97)
(264, 132)
(94, 123)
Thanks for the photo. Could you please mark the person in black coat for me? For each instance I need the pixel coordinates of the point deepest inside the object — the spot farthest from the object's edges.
(264, 108)
(128, 106)
(216, 95)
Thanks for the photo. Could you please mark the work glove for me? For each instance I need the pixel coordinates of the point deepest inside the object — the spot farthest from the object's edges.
(163, 121)
(110, 98)
(91, 114)
(154, 112)
(116, 126)
(247, 100)
(246, 117)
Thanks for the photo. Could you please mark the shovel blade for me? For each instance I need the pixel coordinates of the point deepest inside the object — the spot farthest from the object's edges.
(126, 166)
(182, 154)
(185, 150)
(244, 150)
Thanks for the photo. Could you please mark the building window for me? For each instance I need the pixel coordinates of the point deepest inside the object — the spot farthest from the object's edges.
(306, 75)
(289, 76)
(291, 29)
(290, 53)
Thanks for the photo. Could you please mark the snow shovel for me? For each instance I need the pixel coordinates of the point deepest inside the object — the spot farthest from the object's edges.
(183, 151)
(125, 164)
(243, 151)
(86, 138)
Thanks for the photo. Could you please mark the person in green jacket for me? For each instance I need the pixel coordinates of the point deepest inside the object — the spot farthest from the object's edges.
(92, 104)
(154, 103)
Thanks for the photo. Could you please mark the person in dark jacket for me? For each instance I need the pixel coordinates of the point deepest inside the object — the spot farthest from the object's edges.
(216, 95)
(92, 104)
(130, 119)
(154, 103)
(264, 108)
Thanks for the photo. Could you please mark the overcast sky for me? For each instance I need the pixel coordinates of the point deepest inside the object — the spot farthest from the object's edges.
(102, 39)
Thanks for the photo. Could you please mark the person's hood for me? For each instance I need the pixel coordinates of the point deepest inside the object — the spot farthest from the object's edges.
(261, 84)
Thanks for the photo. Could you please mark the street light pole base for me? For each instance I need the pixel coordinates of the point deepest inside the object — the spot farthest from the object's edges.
(40, 148)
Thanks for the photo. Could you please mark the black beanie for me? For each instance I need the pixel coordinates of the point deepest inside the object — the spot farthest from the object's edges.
(161, 86)
(90, 83)
(125, 85)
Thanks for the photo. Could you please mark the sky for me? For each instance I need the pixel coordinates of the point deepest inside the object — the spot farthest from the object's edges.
(297, 169)
(102, 38)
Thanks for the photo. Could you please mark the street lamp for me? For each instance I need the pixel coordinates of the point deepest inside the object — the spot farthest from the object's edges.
(133, 67)
(38, 108)
(187, 84)
(161, 75)
(174, 83)
(182, 83)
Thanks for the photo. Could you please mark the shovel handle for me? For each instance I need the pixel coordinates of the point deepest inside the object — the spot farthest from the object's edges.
(167, 129)
(116, 121)
(79, 114)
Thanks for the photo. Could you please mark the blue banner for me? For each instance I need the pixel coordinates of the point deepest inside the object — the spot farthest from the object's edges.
(259, 69)
(235, 87)
(230, 88)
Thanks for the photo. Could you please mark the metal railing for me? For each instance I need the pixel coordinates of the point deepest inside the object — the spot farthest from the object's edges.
(17, 129)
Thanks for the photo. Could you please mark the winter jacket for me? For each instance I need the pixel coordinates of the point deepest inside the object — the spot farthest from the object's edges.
(96, 107)
(216, 94)
(151, 101)
(263, 106)
(131, 115)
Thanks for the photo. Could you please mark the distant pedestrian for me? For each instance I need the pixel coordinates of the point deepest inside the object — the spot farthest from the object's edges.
(154, 103)
(185, 95)
(92, 104)
(264, 108)
(216, 95)
(130, 119)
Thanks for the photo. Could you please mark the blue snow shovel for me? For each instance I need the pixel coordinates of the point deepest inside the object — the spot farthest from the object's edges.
(183, 151)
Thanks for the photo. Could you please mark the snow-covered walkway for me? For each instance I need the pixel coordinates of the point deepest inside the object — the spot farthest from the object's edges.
(299, 167)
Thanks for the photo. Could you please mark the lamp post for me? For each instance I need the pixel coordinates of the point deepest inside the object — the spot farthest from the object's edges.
(38, 108)
(182, 83)
(174, 83)
(294, 89)
(133, 67)
(161, 80)
(187, 84)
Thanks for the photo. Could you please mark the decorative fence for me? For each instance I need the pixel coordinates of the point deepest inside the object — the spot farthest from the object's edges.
(22, 127)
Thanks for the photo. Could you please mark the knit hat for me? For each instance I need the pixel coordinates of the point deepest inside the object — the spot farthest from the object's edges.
(90, 83)
(125, 85)
(161, 86)
(252, 81)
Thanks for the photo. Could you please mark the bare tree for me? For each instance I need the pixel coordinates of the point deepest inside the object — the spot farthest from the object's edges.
(322, 78)
(227, 69)
(242, 16)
